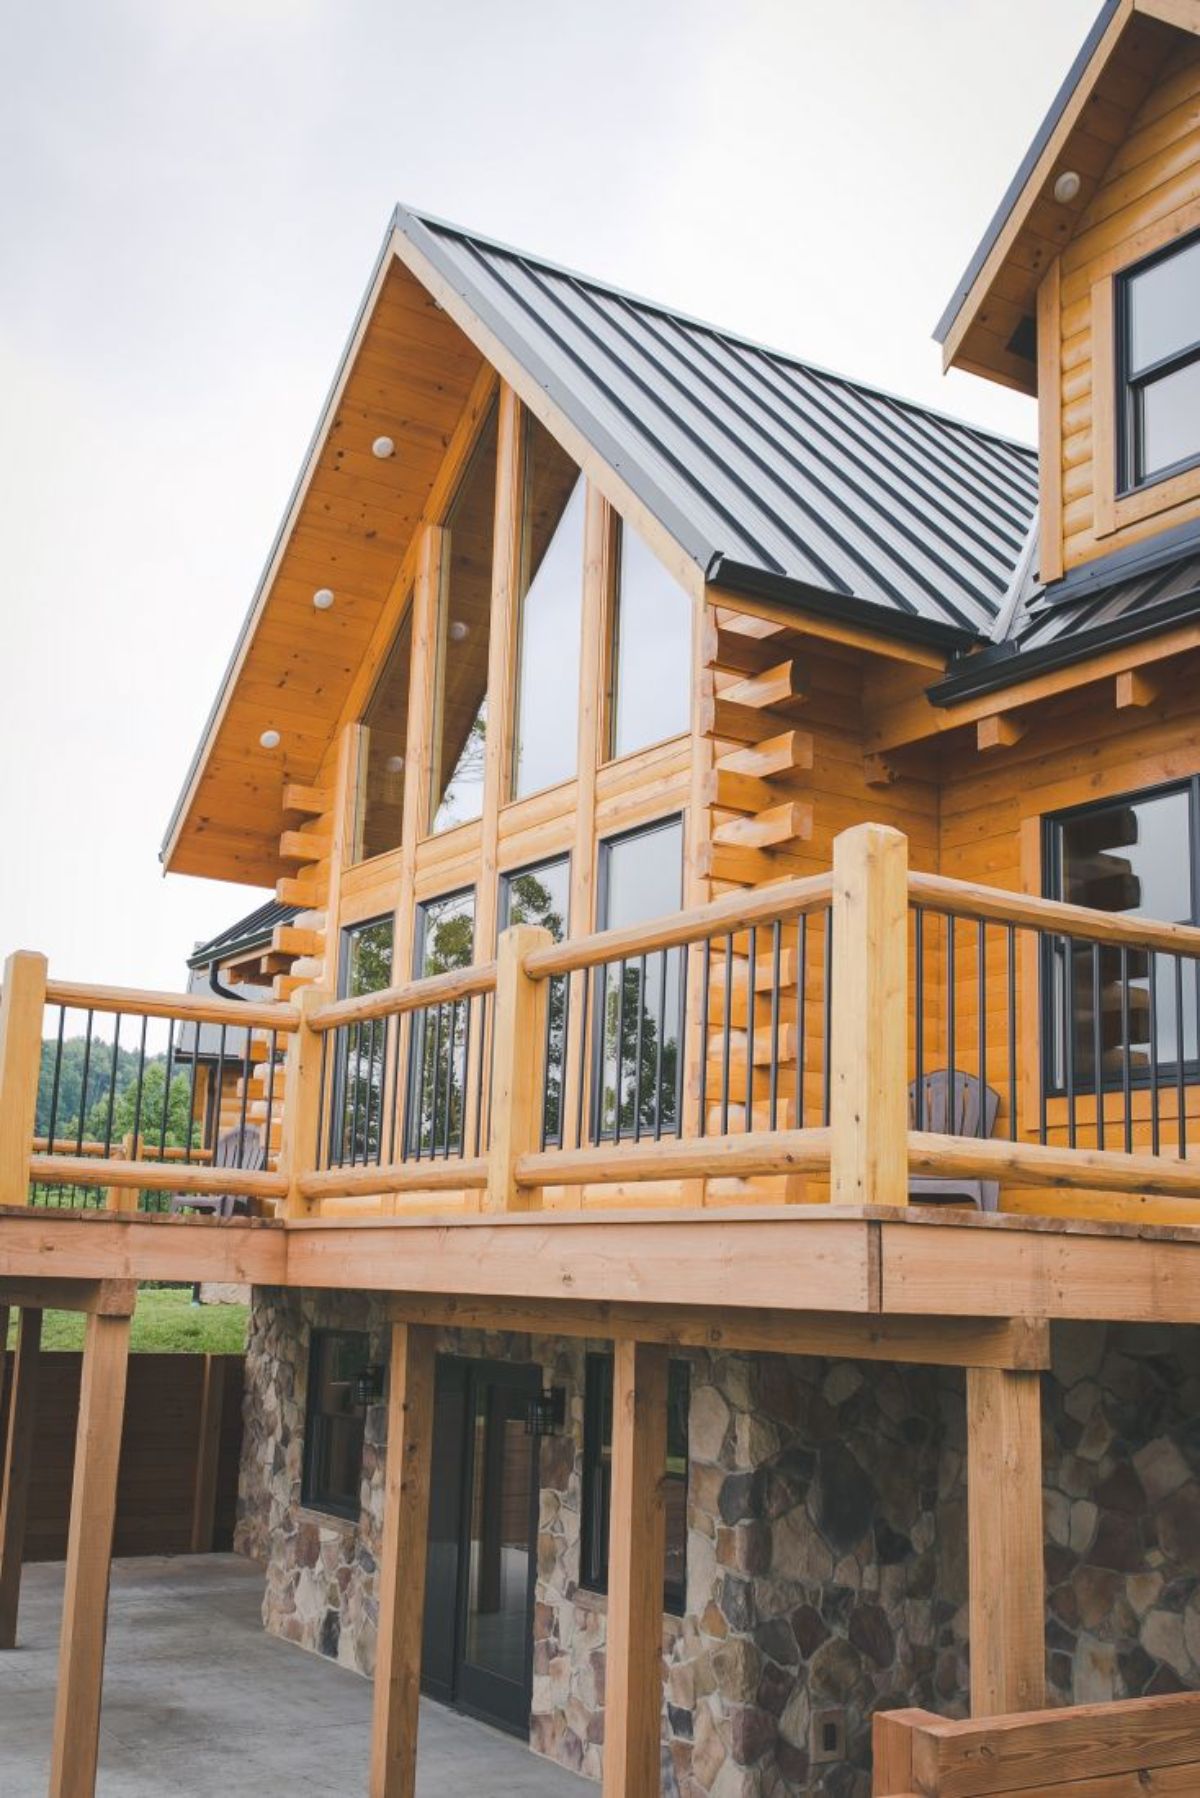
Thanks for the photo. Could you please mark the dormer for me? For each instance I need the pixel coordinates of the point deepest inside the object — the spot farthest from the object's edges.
(1086, 288)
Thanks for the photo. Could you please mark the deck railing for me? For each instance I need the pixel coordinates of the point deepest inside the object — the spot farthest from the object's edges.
(841, 1035)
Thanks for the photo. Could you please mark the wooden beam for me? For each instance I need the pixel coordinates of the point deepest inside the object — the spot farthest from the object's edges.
(1000, 730)
(1134, 687)
(89, 1552)
(869, 1048)
(402, 1569)
(208, 1454)
(636, 1558)
(518, 1055)
(112, 1298)
(1005, 1541)
(791, 751)
(22, 1007)
(892, 1752)
(18, 1457)
(37, 1244)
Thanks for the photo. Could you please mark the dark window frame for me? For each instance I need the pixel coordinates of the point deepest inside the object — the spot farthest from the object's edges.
(597, 1491)
(1052, 888)
(311, 1497)
(1131, 387)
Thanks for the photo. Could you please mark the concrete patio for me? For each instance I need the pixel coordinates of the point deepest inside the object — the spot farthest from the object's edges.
(198, 1700)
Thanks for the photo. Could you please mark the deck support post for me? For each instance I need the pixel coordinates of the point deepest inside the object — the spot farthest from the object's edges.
(18, 1457)
(518, 1061)
(636, 1558)
(1005, 1528)
(402, 1569)
(22, 1007)
(89, 1555)
(869, 1046)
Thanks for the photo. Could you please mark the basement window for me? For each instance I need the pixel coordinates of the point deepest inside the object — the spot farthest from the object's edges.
(1158, 365)
(597, 1479)
(333, 1435)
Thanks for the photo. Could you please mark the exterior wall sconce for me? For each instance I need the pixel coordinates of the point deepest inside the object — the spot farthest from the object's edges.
(368, 1386)
(546, 1415)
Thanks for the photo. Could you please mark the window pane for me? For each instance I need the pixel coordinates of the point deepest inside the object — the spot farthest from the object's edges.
(438, 1070)
(1164, 308)
(359, 1064)
(639, 1004)
(385, 747)
(547, 704)
(652, 651)
(1133, 856)
(460, 733)
(334, 1424)
(542, 895)
(1170, 420)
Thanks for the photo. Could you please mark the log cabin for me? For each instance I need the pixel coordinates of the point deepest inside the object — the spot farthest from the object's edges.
(726, 1268)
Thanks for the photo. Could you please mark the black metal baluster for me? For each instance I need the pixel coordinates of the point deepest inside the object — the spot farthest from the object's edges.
(273, 1050)
(919, 1016)
(57, 1078)
(828, 1093)
(581, 1092)
(220, 1078)
(1011, 956)
(801, 1019)
(1180, 1083)
(1126, 1052)
(247, 1076)
(658, 1055)
(1045, 950)
(468, 1022)
(479, 1077)
(354, 1061)
(620, 1049)
(705, 978)
(1072, 1131)
(112, 1086)
(1155, 1122)
(776, 959)
(726, 1034)
(393, 1027)
(639, 1051)
(83, 1090)
(451, 1067)
(951, 1023)
(981, 927)
(162, 1131)
(437, 1081)
(751, 1018)
(1097, 1046)
(137, 1097)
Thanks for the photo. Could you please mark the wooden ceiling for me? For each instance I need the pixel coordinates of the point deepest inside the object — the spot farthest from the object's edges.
(1000, 308)
(407, 375)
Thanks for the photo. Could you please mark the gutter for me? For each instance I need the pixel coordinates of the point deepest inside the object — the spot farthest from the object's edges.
(843, 608)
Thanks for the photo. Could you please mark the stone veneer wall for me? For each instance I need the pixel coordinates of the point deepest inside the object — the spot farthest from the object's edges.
(826, 1552)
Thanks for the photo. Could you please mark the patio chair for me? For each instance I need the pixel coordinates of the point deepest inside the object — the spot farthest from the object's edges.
(241, 1148)
(955, 1113)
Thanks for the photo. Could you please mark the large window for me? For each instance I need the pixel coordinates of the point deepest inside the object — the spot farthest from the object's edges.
(1158, 324)
(384, 751)
(597, 1479)
(445, 939)
(542, 895)
(547, 687)
(639, 1003)
(464, 626)
(333, 1437)
(358, 1073)
(651, 651)
(1137, 856)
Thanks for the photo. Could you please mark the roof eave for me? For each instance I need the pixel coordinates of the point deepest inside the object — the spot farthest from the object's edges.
(846, 607)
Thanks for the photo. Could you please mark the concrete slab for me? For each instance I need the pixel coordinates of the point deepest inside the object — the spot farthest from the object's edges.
(199, 1701)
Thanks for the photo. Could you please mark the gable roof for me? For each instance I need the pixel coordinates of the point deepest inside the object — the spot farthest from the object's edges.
(741, 465)
(988, 323)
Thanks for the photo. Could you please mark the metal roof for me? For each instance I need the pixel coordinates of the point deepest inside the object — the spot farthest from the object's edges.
(769, 472)
(251, 932)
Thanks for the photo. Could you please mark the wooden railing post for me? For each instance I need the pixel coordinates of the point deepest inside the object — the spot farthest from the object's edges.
(301, 1101)
(22, 1005)
(869, 1046)
(518, 1060)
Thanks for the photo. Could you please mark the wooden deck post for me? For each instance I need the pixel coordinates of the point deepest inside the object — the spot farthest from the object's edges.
(89, 1553)
(22, 1006)
(636, 1559)
(518, 1060)
(208, 1454)
(18, 1457)
(301, 1100)
(402, 1569)
(869, 1046)
(1004, 1505)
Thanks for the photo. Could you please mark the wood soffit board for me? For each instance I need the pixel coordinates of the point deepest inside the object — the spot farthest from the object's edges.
(409, 376)
(1002, 299)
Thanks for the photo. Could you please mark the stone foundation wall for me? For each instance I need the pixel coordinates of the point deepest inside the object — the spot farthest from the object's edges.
(826, 1547)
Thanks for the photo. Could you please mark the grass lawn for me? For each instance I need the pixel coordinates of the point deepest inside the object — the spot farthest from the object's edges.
(165, 1322)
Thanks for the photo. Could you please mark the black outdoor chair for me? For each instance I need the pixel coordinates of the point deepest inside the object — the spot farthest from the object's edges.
(242, 1148)
(957, 1114)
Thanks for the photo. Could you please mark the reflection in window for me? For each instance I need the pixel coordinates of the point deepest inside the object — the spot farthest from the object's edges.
(359, 1068)
(541, 895)
(1158, 310)
(333, 1436)
(384, 750)
(464, 620)
(440, 1033)
(1134, 856)
(547, 695)
(597, 1478)
(651, 651)
(639, 1003)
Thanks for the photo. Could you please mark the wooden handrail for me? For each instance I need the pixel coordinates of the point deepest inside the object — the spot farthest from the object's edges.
(71, 1170)
(938, 892)
(755, 1152)
(1040, 1164)
(64, 1145)
(404, 1176)
(734, 911)
(433, 989)
(188, 1008)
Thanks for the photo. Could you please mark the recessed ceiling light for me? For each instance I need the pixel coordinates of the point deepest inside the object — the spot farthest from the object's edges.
(323, 598)
(270, 739)
(460, 630)
(383, 447)
(395, 764)
(1067, 187)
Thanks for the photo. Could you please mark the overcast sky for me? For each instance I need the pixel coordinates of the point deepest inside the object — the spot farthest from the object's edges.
(192, 198)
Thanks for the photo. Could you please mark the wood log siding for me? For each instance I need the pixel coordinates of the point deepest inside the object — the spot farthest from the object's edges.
(160, 1452)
